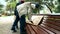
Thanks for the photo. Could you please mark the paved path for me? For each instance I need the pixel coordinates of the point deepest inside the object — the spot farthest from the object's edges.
(6, 24)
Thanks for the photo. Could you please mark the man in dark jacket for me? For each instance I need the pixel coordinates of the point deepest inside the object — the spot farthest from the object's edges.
(15, 24)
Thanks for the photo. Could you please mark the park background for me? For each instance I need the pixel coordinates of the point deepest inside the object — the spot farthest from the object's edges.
(7, 6)
(7, 12)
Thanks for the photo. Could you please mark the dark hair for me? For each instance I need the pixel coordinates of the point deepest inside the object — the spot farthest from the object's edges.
(37, 5)
(22, 1)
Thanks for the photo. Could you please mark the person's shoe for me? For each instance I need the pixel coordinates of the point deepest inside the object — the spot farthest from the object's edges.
(13, 30)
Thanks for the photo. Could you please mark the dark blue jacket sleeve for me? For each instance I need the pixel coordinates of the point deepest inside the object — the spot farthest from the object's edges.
(15, 11)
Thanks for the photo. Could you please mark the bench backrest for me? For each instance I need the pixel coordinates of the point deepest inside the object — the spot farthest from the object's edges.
(50, 25)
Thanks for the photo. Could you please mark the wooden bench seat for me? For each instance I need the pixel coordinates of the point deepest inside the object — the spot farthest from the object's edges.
(35, 29)
(49, 25)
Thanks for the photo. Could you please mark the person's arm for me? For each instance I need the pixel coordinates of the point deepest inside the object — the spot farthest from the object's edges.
(29, 9)
(15, 11)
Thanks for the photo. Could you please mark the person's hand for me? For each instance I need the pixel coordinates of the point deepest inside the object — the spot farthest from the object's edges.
(31, 22)
(28, 21)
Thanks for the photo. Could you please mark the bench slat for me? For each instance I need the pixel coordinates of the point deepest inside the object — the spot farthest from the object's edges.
(53, 23)
(27, 29)
(52, 26)
(31, 30)
(39, 30)
(49, 28)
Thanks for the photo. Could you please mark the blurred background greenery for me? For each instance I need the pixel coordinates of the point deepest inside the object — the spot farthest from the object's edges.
(53, 6)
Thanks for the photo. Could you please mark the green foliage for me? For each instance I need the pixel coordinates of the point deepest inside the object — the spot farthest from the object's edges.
(1, 6)
(6, 0)
(58, 9)
(34, 11)
(59, 1)
(11, 5)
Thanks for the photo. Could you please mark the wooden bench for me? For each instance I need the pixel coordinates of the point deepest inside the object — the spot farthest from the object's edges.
(50, 25)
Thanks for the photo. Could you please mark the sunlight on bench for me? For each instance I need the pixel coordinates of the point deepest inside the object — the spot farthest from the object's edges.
(36, 19)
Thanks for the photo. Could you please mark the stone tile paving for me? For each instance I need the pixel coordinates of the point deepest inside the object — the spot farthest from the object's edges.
(6, 24)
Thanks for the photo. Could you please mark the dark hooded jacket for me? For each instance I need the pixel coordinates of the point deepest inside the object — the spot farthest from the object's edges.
(15, 11)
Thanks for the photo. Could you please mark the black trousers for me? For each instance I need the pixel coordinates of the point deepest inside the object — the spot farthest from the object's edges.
(15, 24)
(22, 25)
